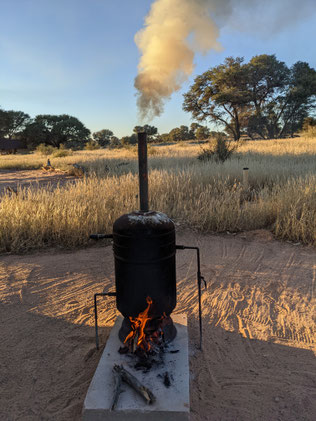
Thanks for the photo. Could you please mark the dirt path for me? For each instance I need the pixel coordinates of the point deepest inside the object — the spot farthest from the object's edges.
(27, 178)
(258, 361)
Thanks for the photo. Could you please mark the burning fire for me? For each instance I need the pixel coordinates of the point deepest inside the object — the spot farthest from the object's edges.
(138, 326)
(138, 337)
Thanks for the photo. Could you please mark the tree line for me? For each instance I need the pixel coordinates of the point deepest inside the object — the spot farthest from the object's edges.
(57, 130)
(48, 129)
(178, 134)
(260, 99)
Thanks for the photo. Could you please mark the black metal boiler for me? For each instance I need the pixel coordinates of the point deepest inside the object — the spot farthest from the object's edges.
(144, 245)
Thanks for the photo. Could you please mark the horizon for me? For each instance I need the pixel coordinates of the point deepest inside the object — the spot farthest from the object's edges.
(75, 59)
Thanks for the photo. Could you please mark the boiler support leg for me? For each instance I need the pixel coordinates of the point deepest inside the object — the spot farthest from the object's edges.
(100, 294)
(200, 279)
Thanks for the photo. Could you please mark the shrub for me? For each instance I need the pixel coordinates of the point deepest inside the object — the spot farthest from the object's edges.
(219, 148)
(61, 153)
(45, 149)
(309, 132)
(115, 142)
(129, 140)
(92, 145)
(202, 133)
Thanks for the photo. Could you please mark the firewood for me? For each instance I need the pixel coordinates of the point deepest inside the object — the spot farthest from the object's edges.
(134, 343)
(135, 384)
(117, 389)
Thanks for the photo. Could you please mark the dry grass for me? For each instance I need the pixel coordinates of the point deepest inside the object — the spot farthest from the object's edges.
(209, 196)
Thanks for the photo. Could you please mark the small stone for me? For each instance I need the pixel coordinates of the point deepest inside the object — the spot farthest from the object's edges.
(276, 399)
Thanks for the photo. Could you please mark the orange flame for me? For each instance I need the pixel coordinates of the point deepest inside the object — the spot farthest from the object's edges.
(138, 326)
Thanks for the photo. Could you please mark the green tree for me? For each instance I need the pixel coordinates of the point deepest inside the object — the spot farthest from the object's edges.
(281, 97)
(202, 133)
(220, 95)
(164, 137)
(56, 130)
(151, 131)
(267, 81)
(300, 98)
(193, 128)
(180, 133)
(262, 98)
(175, 135)
(13, 123)
(129, 140)
(267, 78)
(115, 142)
(103, 137)
(185, 133)
(92, 145)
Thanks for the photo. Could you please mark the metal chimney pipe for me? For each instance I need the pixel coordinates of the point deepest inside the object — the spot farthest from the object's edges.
(143, 171)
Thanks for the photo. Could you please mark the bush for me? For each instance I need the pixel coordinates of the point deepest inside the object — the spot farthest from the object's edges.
(219, 149)
(129, 140)
(92, 145)
(202, 133)
(45, 149)
(61, 153)
(74, 145)
(115, 142)
(309, 132)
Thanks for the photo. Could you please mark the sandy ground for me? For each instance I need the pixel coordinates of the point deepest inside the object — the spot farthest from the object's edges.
(27, 178)
(258, 361)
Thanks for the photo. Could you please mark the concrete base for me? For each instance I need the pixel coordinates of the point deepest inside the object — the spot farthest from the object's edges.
(172, 403)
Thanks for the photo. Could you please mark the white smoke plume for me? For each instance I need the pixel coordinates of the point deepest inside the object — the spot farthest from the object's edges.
(167, 53)
(174, 31)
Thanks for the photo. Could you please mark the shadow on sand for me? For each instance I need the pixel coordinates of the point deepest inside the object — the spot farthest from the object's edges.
(47, 365)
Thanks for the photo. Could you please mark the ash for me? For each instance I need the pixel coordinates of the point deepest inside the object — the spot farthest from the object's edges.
(149, 218)
(151, 360)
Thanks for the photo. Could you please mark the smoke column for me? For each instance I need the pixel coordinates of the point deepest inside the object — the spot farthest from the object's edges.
(175, 30)
(167, 53)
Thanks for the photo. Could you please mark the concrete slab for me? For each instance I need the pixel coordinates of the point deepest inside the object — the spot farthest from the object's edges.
(172, 404)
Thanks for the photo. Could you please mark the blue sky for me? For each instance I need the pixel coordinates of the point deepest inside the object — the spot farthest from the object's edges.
(79, 57)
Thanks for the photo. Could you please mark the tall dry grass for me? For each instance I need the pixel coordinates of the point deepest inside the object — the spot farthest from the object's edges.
(208, 196)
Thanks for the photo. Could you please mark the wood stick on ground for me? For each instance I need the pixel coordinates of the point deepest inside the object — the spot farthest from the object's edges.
(135, 384)
(117, 389)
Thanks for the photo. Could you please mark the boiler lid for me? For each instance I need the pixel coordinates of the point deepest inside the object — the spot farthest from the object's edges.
(144, 223)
